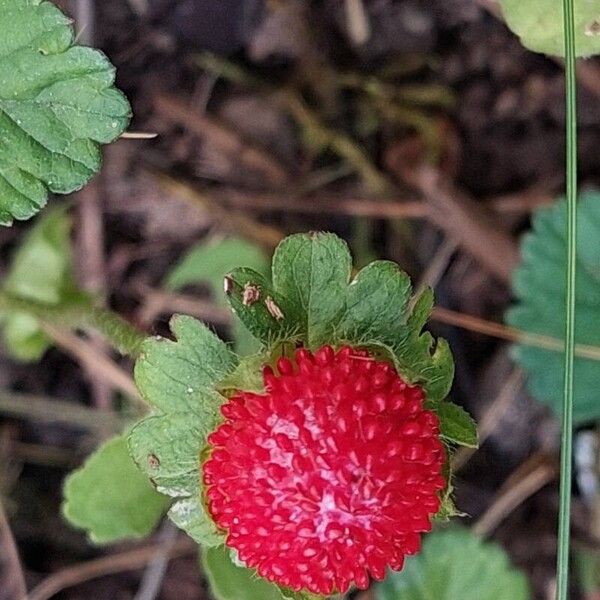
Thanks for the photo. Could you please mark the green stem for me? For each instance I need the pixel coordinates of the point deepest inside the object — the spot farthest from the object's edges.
(562, 569)
(81, 315)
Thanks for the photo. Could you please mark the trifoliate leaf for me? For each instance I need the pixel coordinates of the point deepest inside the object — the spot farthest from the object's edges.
(455, 564)
(457, 425)
(41, 270)
(179, 379)
(539, 24)
(57, 104)
(539, 287)
(208, 264)
(230, 582)
(312, 271)
(110, 498)
(313, 301)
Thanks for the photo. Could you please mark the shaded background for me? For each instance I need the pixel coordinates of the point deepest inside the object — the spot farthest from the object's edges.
(420, 131)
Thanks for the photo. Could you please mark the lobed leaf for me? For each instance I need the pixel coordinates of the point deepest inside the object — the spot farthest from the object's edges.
(378, 314)
(454, 563)
(110, 498)
(174, 376)
(179, 378)
(57, 105)
(320, 305)
(539, 288)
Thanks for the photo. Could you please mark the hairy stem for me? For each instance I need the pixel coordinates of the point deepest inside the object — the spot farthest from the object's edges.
(126, 338)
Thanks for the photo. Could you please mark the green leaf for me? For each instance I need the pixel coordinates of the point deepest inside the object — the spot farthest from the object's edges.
(230, 582)
(266, 314)
(247, 375)
(539, 288)
(179, 378)
(378, 313)
(587, 567)
(174, 376)
(457, 425)
(167, 448)
(41, 270)
(23, 338)
(57, 104)
(312, 272)
(110, 498)
(455, 564)
(539, 24)
(368, 311)
(318, 304)
(208, 264)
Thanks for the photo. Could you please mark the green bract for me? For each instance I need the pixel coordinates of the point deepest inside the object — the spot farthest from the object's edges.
(178, 379)
(539, 286)
(110, 498)
(456, 564)
(312, 300)
(539, 24)
(57, 104)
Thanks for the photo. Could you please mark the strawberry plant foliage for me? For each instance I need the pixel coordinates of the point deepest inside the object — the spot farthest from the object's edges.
(455, 563)
(41, 271)
(314, 304)
(110, 499)
(207, 263)
(539, 24)
(539, 287)
(57, 104)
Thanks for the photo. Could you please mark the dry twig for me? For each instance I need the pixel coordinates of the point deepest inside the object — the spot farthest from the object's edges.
(529, 478)
(224, 137)
(93, 360)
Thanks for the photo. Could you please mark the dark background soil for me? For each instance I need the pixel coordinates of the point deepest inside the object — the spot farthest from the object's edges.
(501, 133)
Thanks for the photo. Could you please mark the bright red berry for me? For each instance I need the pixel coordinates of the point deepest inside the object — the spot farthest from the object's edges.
(328, 477)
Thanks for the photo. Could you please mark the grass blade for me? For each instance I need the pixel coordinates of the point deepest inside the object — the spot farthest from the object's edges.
(562, 569)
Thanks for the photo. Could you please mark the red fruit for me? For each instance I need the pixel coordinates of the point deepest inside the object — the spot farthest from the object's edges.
(328, 477)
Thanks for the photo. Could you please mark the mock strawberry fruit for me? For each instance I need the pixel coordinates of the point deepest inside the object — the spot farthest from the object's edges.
(328, 477)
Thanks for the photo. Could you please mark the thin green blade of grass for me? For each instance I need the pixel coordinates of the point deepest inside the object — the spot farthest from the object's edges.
(562, 567)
